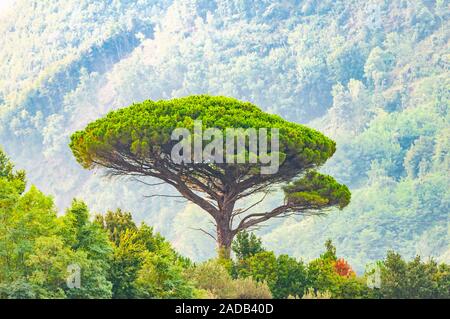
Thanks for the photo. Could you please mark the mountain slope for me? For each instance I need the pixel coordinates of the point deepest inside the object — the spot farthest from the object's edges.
(371, 74)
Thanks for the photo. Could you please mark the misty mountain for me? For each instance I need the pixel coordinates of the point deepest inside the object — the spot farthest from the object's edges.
(373, 75)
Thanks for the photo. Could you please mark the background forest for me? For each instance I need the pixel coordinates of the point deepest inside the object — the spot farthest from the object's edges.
(372, 75)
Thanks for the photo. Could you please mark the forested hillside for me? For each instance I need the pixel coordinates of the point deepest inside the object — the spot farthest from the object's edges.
(373, 75)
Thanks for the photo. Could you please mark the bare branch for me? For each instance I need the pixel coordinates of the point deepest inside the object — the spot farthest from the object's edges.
(163, 195)
(205, 232)
(241, 211)
(145, 183)
(253, 219)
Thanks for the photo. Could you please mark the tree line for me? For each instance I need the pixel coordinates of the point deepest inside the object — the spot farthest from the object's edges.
(120, 259)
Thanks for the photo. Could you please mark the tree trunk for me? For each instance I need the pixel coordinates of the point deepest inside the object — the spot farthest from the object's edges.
(224, 239)
(224, 232)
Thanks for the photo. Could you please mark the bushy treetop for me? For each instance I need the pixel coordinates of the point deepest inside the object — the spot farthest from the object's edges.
(145, 128)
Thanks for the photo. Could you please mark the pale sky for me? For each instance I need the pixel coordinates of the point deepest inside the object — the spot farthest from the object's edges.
(5, 4)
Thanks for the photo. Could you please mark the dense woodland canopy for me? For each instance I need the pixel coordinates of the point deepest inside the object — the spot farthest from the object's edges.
(372, 75)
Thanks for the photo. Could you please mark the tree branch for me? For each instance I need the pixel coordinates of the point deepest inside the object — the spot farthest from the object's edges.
(205, 232)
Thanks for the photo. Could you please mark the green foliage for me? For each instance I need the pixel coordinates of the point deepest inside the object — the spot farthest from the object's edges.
(161, 276)
(116, 223)
(7, 172)
(317, 190)
(324, 275)
(116, 258)
(247, 288)
(24, 218)
(18, 289)
(143, 264)
(330, 253)
(291, 277)
(288, 278)
(214, 278)
(246, 244)
(126, 262)
(49, 270)
(82, 234)
(284, 275)
(37, 247)
(144, 130)
(48, 264)
(261, 267)
(414, 279)
(311, 294)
